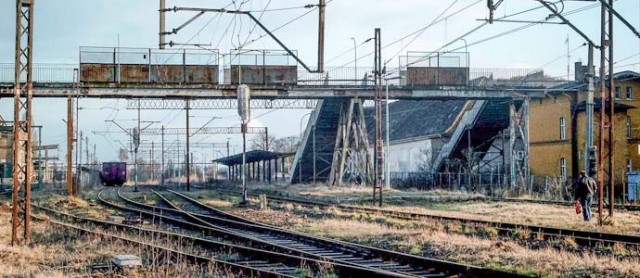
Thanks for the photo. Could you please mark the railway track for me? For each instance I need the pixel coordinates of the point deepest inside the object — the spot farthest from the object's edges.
(393, 263)
(250, 268)
(170, 216)
(583, 238)
(562, 203)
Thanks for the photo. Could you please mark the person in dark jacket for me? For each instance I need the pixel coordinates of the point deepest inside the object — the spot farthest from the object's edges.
(584, 188)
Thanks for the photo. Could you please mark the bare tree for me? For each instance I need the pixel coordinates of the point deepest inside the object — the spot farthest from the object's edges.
(472, 158)
(286, 144)
(425, 160)
(260, 142)
(123, 155)
(452, 165)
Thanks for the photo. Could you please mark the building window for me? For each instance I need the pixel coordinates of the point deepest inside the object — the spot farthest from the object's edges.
(629, 93)
(563, 124)
(617, 92)
(628, 127)
(563, 168)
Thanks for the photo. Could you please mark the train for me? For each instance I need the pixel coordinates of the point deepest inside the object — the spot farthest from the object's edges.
(113, 173)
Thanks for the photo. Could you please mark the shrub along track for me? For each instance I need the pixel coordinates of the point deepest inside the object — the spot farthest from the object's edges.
(383, 261)
(582, 238)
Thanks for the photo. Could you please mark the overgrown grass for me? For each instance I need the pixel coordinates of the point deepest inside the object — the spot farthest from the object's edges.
(472, 245)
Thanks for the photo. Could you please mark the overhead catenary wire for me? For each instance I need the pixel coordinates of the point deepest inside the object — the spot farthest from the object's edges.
(505, 33)
(425, 28)
(196, 34)
(287, 23)
(418, 31)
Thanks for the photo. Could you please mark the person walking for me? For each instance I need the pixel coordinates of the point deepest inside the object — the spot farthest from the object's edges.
(584, 188)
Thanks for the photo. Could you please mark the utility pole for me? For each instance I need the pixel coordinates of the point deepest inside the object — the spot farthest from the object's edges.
(187, 153)
(22, 155)
(70, 139)
(162, 155)
(266, 139)
(79, 164)
(611, 115)
(378, 151)
(136, 145)
(568, 59)
(607, 100)
(151, 160)
(161, 32)
(244, 111)
(589, 126)
(191, 163)
(179, 166)
(321, 8)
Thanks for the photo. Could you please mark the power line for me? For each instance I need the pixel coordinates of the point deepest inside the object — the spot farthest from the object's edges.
(256, 24)
(425, 28)
(286, 8)
(197, 33)
(418, 32)
(562, 56)
(287, 23)
(508, 32)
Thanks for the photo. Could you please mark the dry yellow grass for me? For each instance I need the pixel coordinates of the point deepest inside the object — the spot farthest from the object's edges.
(435, 242)
(56, 252)
(352, 192)
(530, 214)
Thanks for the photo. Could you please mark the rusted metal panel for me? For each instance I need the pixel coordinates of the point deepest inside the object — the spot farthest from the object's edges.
(283, 75)
(163, 74)
(134, 73)
(267, 75)
(453, 76)
(97, 73)
(418, 76)
(201, 74)
(250, 74)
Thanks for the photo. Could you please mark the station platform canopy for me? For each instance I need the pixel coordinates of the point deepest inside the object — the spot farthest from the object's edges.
(251, 157)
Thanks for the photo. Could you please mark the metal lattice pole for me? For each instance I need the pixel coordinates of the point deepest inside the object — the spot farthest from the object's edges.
(22, 155)
(379, 149)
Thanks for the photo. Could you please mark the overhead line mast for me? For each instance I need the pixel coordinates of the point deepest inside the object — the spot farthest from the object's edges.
(321, 23)
(22, 155)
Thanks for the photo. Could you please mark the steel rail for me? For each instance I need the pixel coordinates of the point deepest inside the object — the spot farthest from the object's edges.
(243, 270)
(239, 237)
(562, 203)
(327, 251)
(247, 252)
(386, 255)
(585, 238)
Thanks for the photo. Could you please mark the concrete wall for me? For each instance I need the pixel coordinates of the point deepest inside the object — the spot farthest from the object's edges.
(407, 156)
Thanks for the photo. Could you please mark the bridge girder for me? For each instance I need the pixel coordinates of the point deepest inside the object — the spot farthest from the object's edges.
(297, 92)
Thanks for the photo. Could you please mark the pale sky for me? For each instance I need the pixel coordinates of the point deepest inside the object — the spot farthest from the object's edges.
(62, 26)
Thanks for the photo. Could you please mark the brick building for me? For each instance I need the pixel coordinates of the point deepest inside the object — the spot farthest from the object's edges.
(558, 126)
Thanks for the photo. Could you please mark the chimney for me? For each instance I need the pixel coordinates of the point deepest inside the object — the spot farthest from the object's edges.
(580, 71)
